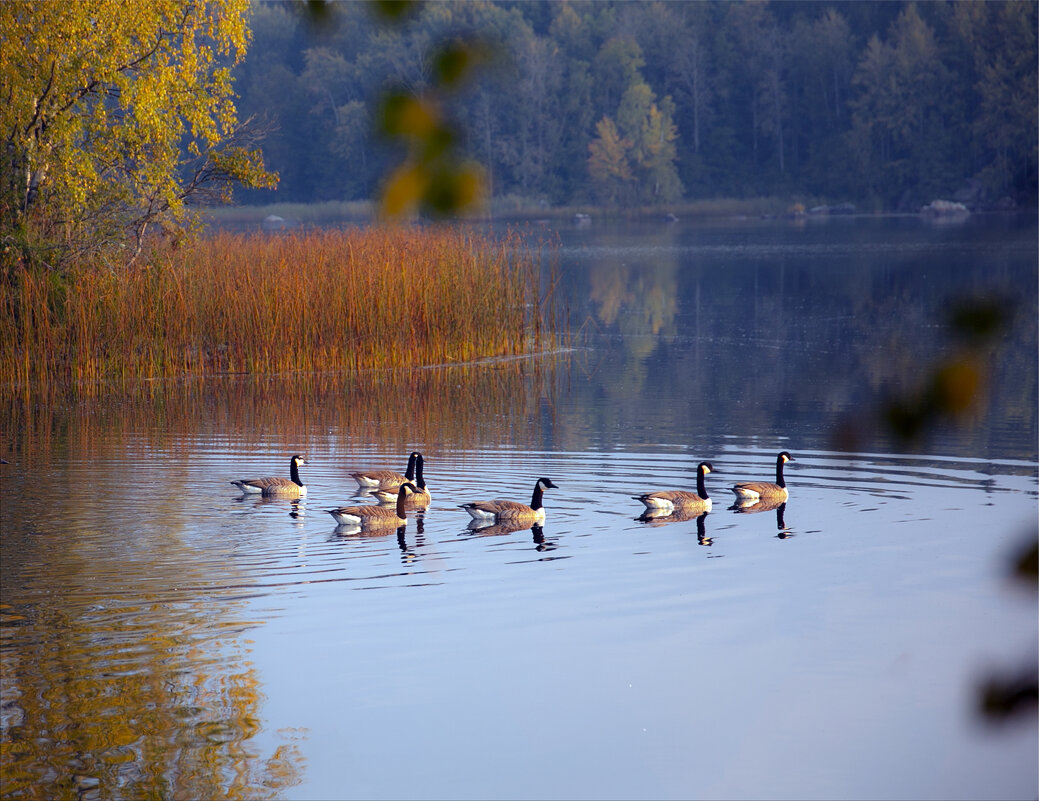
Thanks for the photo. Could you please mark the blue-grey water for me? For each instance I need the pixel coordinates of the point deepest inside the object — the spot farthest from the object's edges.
(164, 637)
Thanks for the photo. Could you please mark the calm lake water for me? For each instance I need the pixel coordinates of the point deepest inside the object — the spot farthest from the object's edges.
(165, 638)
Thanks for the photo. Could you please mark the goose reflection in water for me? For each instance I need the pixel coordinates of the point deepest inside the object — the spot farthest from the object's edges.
(408, 555)
(540, 543)
(351, 531)
(658, 517)
(480, 528)
(680, 514)
(767, 506)
(297, 506)
(701, 531)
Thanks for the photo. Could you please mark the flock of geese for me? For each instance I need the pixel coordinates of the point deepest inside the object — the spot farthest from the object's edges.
(398, 492)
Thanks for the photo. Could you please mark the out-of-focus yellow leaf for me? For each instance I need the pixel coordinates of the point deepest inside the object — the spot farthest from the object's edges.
(394, 10)
(957, 384)
(980, 319)
(455, 189)
(407, 115)
(403, 190)
(456, 61)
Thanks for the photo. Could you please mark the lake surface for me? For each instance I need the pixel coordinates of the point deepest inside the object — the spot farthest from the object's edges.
(164, 637)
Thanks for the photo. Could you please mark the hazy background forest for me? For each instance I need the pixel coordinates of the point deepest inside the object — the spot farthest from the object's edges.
(888, 105)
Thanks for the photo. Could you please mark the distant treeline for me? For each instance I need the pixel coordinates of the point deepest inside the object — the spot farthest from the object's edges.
(886, 104)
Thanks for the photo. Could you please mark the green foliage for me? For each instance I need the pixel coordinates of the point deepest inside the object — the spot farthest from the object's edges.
(892, 104)
(114, 122)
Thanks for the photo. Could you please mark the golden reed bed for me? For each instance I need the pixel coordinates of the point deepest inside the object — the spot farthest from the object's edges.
(327, 300)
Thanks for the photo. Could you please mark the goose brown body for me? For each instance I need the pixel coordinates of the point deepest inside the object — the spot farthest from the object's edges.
(499, 510)
(373, 516)
(669, 500)
(292, 487)
(419, 499)
(387, 479)
(755, 491)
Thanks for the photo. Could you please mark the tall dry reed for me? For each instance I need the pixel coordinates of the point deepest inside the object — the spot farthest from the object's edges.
(317, 301)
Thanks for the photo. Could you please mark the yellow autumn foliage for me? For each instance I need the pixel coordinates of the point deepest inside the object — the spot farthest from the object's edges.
(115, 116)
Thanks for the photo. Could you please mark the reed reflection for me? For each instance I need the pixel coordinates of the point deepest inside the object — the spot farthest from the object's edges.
(453, 406)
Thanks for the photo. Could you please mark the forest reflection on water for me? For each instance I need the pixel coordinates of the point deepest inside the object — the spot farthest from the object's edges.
(802, 329)
(164, 636)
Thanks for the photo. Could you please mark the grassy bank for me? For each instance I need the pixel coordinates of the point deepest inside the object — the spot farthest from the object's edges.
(321, 301)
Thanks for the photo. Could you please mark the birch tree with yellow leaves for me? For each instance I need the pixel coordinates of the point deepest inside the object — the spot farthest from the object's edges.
(117, 120)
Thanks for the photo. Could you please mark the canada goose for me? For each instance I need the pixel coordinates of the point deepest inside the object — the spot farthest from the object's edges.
(387, 479)
(373, 516)
(276, 485)
(419, 499)
(499, 510)
(668, 500)
(754, 491)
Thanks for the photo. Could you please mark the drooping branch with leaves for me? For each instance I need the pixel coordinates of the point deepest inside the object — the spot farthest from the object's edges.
(115, 120)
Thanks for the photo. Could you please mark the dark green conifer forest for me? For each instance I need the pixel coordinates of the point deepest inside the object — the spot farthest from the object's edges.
(887, 105)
